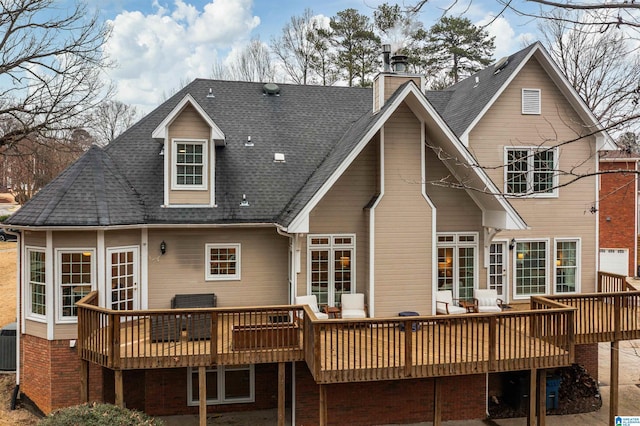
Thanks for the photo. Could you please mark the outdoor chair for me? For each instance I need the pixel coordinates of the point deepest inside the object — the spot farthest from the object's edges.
(486, 300)
(445, 305)
(165, 328)
(312, 301)
(198, 325)
(352, 305)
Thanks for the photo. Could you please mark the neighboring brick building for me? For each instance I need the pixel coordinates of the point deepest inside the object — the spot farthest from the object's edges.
(618, 212)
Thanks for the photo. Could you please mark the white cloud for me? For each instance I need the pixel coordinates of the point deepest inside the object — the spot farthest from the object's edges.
(157, 52)
(506, 40)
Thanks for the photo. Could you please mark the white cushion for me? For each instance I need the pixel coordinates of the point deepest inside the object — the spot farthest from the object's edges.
(487, 301)
(310, 300)
(494, 308)
(353, 301)
(444, 296)
(321, 315)
(353, 313)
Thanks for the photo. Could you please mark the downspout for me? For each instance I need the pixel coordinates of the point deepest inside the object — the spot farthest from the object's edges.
(292, 297)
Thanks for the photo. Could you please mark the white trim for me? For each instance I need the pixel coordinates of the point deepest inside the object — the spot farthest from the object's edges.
(221, 385)
(531, 150)
(559, 79)
(434, 212)
(162, 131)
(27, 284)
(229, 277)
(144, 268)
(101, 283)
(147, 226)
(299, 222)
(51, 289)
(372, 229)
(528, 99)
(185, 206)
(457, 244)
(60, 319)
(175, 186)
(547, 283)
(331, 247)
(506, 288)
(578, 265)
(136, 255)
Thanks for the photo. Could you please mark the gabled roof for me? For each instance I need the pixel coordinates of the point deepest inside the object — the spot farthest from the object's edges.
(91, 192)
(470, 99)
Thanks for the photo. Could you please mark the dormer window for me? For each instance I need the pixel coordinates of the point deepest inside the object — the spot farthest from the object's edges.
(189, 168)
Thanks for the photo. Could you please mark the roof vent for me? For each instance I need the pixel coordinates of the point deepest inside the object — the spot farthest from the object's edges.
(271, 89)
(499, 66)
(244, 202)
(399, 63)
(278, 157)
(248, 142)
(210, 94)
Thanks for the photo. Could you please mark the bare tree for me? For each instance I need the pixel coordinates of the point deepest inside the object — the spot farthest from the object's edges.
(110, 119)
(253, 63)
(51, 58)
(603, 67)
(294, 49)
(323, 61)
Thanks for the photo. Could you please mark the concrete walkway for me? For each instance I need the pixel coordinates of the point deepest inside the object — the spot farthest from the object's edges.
(629, 401)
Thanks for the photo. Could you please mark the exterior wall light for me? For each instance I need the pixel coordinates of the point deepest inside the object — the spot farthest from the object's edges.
(163, 247)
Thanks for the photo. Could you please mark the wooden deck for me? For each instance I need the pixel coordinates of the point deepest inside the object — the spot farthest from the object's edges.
(542, 336)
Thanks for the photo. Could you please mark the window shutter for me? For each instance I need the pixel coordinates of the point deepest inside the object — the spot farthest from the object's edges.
(531, 101)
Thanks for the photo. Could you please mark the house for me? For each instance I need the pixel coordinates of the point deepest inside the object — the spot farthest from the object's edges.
(619, 212)
(259, 193)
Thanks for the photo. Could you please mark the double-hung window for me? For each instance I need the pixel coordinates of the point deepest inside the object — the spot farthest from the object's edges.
(76, 278)
(226, 384)
(222, 262)
(567, 268)
(189, 168)
(531, 268)
(331, 267)
(37, 299)
(531, 171)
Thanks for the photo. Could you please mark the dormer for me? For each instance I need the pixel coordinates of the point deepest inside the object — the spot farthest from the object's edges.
(394, 75)
(190, 137)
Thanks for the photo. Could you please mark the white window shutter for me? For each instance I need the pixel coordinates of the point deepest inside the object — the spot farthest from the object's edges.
(531, 101)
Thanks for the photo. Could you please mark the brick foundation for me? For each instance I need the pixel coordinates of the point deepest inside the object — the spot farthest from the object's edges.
(587, 356)
(393, 401)
(48, 363)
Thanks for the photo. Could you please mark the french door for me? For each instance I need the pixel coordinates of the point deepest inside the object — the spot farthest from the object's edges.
(331, 267)
(457, 263)
(122, 278)
(497, 278)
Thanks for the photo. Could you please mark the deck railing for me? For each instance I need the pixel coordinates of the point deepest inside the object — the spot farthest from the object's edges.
(393, 348)
(612, 283)
(603, 317)
(187, 337)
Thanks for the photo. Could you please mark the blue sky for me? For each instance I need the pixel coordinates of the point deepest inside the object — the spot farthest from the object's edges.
(159, 45)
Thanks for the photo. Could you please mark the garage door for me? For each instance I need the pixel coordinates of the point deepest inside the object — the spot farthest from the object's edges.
(615, 261)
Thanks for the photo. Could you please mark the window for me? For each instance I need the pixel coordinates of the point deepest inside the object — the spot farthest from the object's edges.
(531, 171)
(225, 385)
(531, 101)
(223, 262)
(189, 169)
(457, 263)
(566, 266)
(531, 268)
(331, 270)
(37, 303)
(75, 278)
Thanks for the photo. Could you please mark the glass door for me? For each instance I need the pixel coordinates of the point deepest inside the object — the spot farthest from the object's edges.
(122, 278)
(498, 269)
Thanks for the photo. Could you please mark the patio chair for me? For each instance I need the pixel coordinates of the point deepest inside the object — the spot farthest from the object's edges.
(312, 301)
(165, 328)
(486, 300)
(198, 325)
(352, 305)
(445, 305)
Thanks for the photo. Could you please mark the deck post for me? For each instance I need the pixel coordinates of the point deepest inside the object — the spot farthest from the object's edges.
(613, 393)
(323, 405)
(84, 380)
(281, 393)
(541, 396)
(119, 388)
(437, 401)
(202, 394)
(531, 418)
